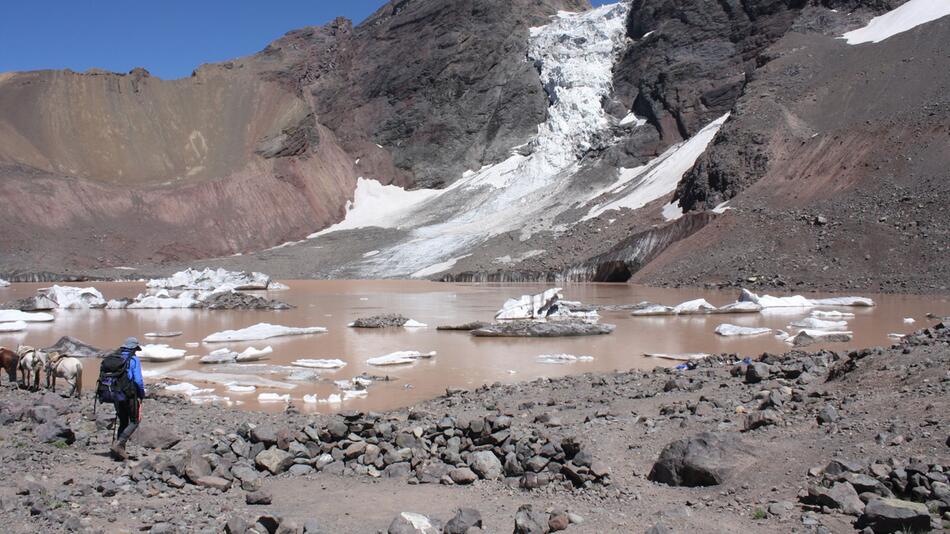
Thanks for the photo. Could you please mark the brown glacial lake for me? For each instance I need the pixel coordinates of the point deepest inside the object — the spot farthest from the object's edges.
(462, 360)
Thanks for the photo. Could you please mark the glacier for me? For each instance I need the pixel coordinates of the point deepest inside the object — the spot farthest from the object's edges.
(904, 18)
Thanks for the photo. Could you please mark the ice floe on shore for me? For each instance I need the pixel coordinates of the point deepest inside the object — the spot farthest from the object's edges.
(682, 357)
(400, 358)
(261, 331)
(4, 283)
(273, 397)
(228, 379)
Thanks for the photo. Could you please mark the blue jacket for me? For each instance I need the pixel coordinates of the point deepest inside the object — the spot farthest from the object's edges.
(135, 371)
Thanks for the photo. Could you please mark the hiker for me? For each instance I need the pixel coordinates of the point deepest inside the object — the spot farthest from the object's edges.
(120, 383)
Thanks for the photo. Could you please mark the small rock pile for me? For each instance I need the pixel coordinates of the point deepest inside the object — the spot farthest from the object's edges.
(446, 451)
(380, 321)
(469, 521)
(887, 496)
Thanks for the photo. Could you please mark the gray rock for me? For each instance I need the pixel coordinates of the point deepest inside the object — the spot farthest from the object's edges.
(659, 528)
(761, 419)
(214, 482)
(486, 465)
(705, 459)
(412, 523)
(154, 436)
(756, 372)
(463, 520)
(463, 475)
(527, 521)
(196, 465)
(274, 460)
(568, 328)
(893, 515)
(840, 496)
(380, 321)
(71, 346)
(53, 431)
(827, 415)
(300, 470)
(259, 497)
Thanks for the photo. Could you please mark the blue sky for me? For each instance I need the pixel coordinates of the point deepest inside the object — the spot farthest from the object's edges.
(168, 37)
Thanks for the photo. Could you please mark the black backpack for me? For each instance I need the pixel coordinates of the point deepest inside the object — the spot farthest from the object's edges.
(114, 384)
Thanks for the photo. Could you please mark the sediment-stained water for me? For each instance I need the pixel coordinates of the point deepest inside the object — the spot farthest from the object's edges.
(461, 360)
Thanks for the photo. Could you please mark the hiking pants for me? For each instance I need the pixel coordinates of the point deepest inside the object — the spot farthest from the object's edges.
(128, 415)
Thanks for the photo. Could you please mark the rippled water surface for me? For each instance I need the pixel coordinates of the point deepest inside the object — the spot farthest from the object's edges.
(462, 360)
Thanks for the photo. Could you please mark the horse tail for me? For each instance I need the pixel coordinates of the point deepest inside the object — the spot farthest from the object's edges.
(79, 381)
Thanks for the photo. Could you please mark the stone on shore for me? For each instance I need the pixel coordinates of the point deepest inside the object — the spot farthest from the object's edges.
(706, 459)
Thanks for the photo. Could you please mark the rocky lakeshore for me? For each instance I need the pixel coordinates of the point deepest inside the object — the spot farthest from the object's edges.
(862, 438)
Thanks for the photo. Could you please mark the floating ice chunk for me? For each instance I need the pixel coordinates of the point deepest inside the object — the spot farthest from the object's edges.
(69, 298)
(563, 358)
(319, 364)
(831, 314)
(798, 301)
(332, 399)
(683, 357)
(826, 333)
(261, 331)
(689, 307)
(818, 324)
(354, 394)
(211, 280)
(192, 344)
(237, 388)
(729, 330)
(540, 306)
(219, 356)
(894, 335)
(226, 379)
(251, 354)
(160, 301)
(160, 353)
(311, 399)
(9, 316)
(909, 320)
(277, 286)
(273, 397)
(4, 283)
(412, 323)
(399, 358)
(653, 309)
(162, 334)
(210, 399)
(739, 307)
(13, 326)
(185, 387)
(906, 17)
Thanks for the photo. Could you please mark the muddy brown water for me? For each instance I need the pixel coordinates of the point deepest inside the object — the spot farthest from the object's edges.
(462, 360)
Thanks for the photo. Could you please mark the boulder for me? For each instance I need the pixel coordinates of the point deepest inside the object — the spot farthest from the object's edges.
(486, 465)
(894, 515)
(274, 460)
(217, 483)
(761, 419)
(153, 436)
(705, 459)
(53, 431)
(412, 523)
(565, 328)
(464, 519)
(234, 300)
(527, 521)
(71, 346)
(196, 465)
(756, 372)
(259, 497)
(463, 476)
(840, 496)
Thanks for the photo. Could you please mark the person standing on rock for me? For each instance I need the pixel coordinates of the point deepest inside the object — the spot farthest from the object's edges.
(121, 384)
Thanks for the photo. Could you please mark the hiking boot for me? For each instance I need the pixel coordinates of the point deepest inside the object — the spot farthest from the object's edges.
(118, 452)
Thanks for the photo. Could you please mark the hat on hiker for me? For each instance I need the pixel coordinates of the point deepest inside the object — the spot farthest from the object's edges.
(130, 343)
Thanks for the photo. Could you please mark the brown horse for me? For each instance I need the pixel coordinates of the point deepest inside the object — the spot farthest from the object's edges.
(9, 361)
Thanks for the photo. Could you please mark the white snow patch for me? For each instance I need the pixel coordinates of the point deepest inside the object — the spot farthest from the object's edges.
(672, 211)
(631, 118)
(378, 205)
(722, 208)
(261, 331)
(371, 253)
(13, 326)
(729, 330)
(9, 316)
(400, 358)
(906, 17)
(639, 186)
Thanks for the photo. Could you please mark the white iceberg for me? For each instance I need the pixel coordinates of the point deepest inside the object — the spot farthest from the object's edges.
(252, 354)
(160, 353)
(319, 364)
(73, 298)
(399, 358)
(412, 323)
(13, 326)
(277, 286)
(729, 330)
(162, 334)
(273, 397)
(211, 280)
(261, 331)
(332, 399)
(683, 357)
(739, 307)
(798, 301)
(818, 324)
(4, 283)
(831, 314)
(10, 316)
(689, 307)
(311, 399)
(909, 320)
(210, 399)
(548, 304)
(354, 394)
(219, 356)
(563, 358)
(653, 309)
(161, 300)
